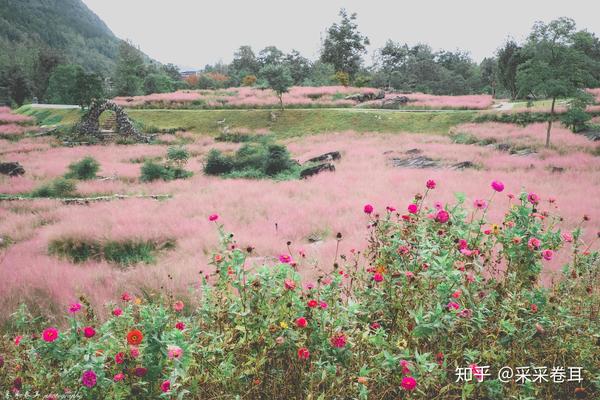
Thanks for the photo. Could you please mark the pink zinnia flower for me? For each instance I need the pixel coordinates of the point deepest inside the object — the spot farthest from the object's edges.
(547, 254)
(480, 204)
(89, 378)
(174, 352)
(165, 386)
(408, 383)
(301, 322)
(466, 313)
(134, 352)
(390, 209)
(378, 277)
(73, 308)
(567, 237)
(534, 308)
(120, 358)
(533, 198)
(323, 305)
(462, 244)
(453, 306)
(126, 297)
(285, 259)
(409, 274)
(477, 372)
(375, 325)
(50, 334)
(442, 216)
(213, 217)
(405, 367)
(413, 208)
(289, 284)
(534, 243)
(117, 312)
(497, 186)
(119, 377)
(178, 306)
(430, 184)
(456, 294)
(303, 353)
(368, 209)
(312, 303)
(89, 332)
(338, 340)
(18, 340)
(180, 326)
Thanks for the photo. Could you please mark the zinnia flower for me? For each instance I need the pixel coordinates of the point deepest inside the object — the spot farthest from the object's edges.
(442, 216)
(430, 184)
(338, 340)
(119, 377)
(89, 332)
(323, 305)
(50, 334)
(120, 358)
(368, 209)
(534, 308)
(117, 312)
(303, 353)
(533, 198)
(165, 386)
(73, 308)
(180, 326)
(466, 313)
(140, 371)
(134, 337)
(378, 277)
(174, 352)
(289, 284)
(285, 258)
(134, 352)
(480, 204)
(456, 294)
(453, 306)
(547, 254)
(413, 208)
(497, 186)
(126, 297)
(301, 322)
(89, 378)
(567, 237)
(213, 217)
(18, 340)
(534, 243)
(312, 303)
(178, 306)
(408, 383)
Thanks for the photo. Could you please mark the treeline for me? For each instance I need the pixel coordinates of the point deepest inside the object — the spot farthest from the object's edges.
(565, 58)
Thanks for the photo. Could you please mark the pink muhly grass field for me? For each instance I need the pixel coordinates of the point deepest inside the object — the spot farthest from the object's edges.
(263, 214)
(9, 117)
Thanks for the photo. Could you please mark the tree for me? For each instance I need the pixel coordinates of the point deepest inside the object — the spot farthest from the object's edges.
(510, 56)
(172, 71)
(158, 83)
(244, 63)
(47, 60)
(17, 84)
(63, 82)
(555, 67)
(489, 73)
(298, 65)
(344, 45)
(278, 78)
(270, 55)
(88, 87)
(130, 72)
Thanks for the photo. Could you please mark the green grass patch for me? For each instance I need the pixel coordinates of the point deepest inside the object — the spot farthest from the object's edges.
(52, 116)
(121, 253)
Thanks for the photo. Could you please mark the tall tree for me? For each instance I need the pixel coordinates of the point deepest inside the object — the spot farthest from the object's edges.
(278, 78)
(88, 86)
(62, 84)
(555, 67)
(298, 65)
(510, 56)
(130, 71)
(270, 55)
(489, 73)
(47, 60)
(244, 63)
(344, 45)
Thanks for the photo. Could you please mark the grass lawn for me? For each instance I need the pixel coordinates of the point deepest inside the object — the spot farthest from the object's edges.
(289, 123)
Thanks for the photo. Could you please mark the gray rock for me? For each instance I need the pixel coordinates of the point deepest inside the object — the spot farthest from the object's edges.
(331, 156)
(317, 169)
(11, 169)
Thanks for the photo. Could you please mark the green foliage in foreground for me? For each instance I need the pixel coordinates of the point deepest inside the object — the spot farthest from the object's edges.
(59, 187)
(122, 253)
(435, 290)
(255, 161)
(84, 169)
(177, 158)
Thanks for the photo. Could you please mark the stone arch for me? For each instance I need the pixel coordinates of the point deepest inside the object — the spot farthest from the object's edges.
(90, 124)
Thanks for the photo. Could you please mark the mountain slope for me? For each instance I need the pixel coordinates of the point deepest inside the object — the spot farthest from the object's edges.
(68, 26)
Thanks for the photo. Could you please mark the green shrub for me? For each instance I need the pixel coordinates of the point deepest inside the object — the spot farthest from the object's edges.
(178, 156)
(152, 171)
(60, 187)
(217, 163)
(576, 119)
(278, 160)
(84, 169)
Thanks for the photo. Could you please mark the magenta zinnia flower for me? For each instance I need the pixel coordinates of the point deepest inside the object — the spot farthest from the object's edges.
(413, 208)
(430, 184)
(165, 386)
(73, 308)
(285, 258)
(89, 378)
(338, 340)
(534, 243)
(408, 383)
(378, 277)
(547, 254)
(533, 198)
(89, 332)
(442, 216)
(368, 209)
(453, 306)
(497, 186)
(50, 334)
(481, 204)
(213, 217)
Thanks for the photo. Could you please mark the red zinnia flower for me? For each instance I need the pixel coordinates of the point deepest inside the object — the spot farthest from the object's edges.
(312, 303)
(303, 353)
(119, 358)
(89, 332)
(134, 337)
(301, 322)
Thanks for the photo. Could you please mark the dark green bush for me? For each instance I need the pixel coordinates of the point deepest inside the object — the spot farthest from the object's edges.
(84, 169)
(60, 187)
(576, 119)
(152, 171)
(217, 163)
(278, 160)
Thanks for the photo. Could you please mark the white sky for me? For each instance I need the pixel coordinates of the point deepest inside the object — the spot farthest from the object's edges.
(192, 33)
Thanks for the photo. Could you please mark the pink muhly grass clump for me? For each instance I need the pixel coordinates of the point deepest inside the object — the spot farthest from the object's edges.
(9, 117)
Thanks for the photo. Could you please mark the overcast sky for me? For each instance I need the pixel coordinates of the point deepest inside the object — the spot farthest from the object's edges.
(193, 33)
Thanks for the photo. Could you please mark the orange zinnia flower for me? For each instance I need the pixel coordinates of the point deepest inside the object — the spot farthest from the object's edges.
(134, 337)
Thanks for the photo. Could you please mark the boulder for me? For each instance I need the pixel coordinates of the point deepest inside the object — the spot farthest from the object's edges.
(415, 162)
(317, 169)
(11, 169)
